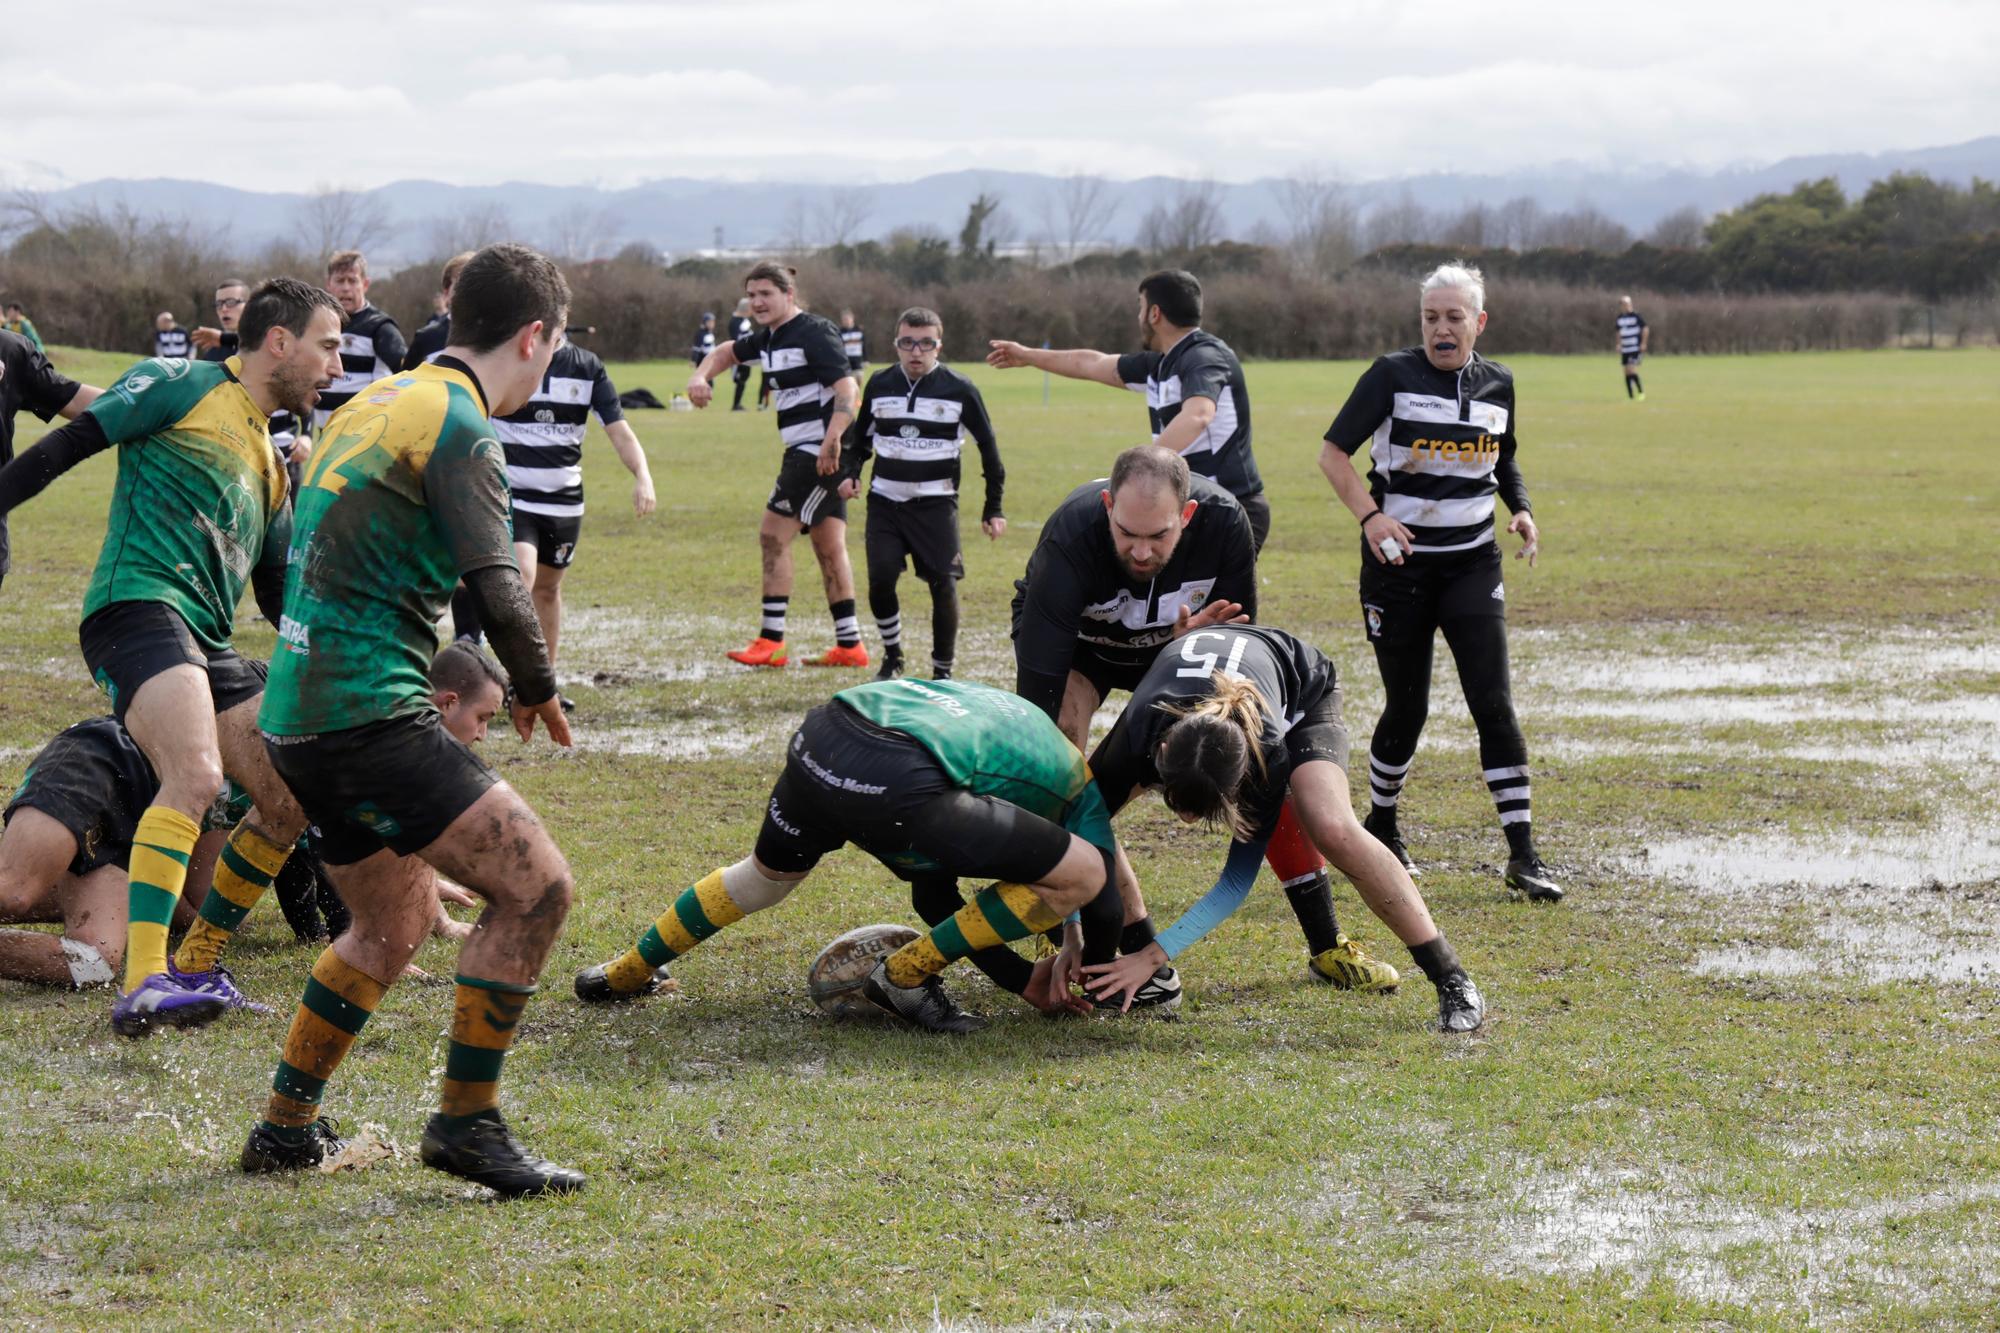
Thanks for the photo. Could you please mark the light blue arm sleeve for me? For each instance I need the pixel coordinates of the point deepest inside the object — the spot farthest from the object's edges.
(1239, 872)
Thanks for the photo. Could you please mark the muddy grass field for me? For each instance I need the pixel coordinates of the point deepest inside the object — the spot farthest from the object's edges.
(1746, 1074)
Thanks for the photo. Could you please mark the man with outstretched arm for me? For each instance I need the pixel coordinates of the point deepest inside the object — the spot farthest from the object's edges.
(28, 380)
(405, 494)
(1196, 397)
(199, 511)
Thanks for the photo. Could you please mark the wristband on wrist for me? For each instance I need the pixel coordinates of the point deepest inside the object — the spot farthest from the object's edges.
(1370, 514)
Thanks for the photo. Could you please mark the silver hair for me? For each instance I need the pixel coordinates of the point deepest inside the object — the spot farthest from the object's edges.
(1461, 276)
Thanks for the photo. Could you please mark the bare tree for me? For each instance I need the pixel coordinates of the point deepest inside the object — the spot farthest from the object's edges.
(1400, 221)
(1586, 227)
(1321, 226)
(1472, 228)
(843, 212)
(795, 227)
(1517, 224)
(1682, 229)
(339, 218)
(1076, 210)
(1189, 221)
(476, 227)
(580, 233)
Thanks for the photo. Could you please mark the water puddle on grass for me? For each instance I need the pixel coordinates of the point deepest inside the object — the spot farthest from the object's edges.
(1591, 1220)
(1936, 693)
(722, 737)
(1910, 906)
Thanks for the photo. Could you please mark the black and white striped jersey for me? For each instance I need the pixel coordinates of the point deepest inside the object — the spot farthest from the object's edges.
(803, 359)
(1200, 365)
(371, 346)
(855, 342)
(543, 440)
(172, 344)
(1440, 446)
(1631, 325)
(703, 344)
(917, 431)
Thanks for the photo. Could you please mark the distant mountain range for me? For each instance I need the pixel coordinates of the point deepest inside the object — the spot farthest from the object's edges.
(684, 216)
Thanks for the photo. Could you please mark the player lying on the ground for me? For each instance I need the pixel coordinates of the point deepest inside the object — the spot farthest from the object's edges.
(1224, 724)
(69, 839)
(468, 689)
(1122, 568)
(936, 780)
(64, 854)
(200, 510)
(348, 721)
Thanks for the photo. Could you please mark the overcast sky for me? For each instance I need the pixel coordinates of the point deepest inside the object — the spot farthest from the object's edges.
(290, 96)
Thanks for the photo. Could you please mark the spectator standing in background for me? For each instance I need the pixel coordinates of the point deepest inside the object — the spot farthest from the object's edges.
(17, 321)
(170, 340)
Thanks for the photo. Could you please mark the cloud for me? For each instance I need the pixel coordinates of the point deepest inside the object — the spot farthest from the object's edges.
(790, 89)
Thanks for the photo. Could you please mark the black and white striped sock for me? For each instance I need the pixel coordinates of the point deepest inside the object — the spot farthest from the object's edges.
(1385, 780)
(774, 619)
(846, 625)
(1511, 799)
(891, 629)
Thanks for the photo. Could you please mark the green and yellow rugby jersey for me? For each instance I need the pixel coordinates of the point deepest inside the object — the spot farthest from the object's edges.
(992, 743)
(199, 496)
(405, 491)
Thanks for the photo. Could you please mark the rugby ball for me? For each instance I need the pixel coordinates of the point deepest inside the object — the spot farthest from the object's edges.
(834, 980)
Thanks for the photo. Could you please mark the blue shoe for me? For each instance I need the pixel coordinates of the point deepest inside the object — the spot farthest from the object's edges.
(217, 983)
(160, 1001)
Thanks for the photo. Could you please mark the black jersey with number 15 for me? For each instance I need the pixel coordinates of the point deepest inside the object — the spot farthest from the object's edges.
(1292, 676)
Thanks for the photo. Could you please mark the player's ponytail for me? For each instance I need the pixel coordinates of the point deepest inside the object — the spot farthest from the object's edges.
(1209, 750)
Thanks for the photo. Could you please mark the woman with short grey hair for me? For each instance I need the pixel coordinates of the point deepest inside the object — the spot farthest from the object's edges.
(1439, 422)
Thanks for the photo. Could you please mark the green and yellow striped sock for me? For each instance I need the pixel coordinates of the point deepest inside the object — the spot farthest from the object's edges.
(243, 873)
(338, 1000)
(698, 913)
(483, 1022)
(997, 914)
(157, 872)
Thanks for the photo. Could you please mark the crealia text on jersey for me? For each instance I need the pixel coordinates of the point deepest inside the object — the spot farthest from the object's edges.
(1485, 449)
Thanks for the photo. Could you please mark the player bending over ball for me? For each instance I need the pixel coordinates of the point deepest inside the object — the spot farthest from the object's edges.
(199, 511)
(1122, 568)
(405, 494)
(936, 780)
(1225, 723)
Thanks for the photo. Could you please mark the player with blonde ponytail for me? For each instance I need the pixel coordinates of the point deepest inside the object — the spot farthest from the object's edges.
(1229, 720)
